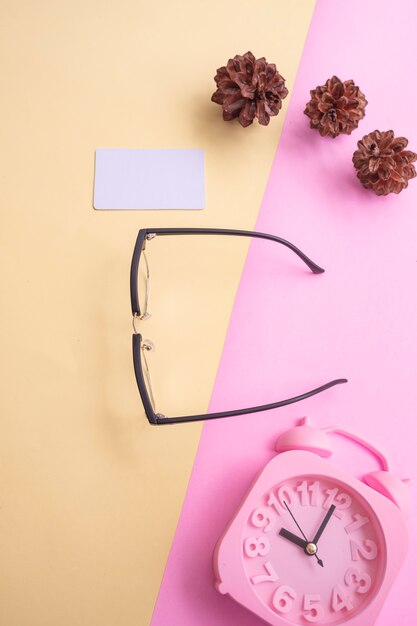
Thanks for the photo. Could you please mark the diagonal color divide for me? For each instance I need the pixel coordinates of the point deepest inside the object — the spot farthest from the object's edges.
(357, 320)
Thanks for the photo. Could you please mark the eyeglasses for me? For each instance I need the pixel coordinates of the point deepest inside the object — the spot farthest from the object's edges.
(140, 312)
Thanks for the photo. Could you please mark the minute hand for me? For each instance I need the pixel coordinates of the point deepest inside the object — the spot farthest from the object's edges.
(323, 524)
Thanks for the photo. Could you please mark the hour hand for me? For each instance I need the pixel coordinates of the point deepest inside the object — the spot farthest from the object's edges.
(308, 547)
(294, 538)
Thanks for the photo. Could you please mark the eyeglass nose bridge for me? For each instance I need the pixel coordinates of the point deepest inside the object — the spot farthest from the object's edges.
(141, 318)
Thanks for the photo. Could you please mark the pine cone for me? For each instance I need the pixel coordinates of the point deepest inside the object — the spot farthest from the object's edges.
(382, 163)
(249, 88)
(336, 107)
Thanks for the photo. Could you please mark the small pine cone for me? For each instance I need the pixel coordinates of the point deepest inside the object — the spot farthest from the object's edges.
(382, 162)
(336, 107)
(249, 88)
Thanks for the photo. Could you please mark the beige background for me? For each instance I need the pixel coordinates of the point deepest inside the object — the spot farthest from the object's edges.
(90, 493)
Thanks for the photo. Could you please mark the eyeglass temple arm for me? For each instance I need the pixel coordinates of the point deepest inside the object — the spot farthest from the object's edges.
(156, 418)
(316, 269)
(253, 409)
(144, 233)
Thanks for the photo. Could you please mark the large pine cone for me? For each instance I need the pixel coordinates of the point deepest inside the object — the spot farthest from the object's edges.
(249, 88)
(336, 107)
(382, 162)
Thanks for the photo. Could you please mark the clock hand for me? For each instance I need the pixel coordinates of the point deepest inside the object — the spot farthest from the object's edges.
(323, 524)
(310, 547)
(296, 523)
(294, 538)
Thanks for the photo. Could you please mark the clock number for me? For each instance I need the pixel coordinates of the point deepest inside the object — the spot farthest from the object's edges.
(340, 500)
(368, 551)
(360, 521)
(341, 599)
(283, 599)
(313, 607)
(261, 518)
(361, 579)
(285, 494)
(256, 546)
(271, 577)
(308, 492)
(272, 501)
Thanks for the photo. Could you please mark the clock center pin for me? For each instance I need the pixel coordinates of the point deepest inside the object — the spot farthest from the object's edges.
(311, 549)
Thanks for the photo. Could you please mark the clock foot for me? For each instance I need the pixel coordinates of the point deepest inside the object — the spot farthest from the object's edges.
(220, 586)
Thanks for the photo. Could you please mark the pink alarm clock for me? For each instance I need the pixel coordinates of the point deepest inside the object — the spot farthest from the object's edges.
(311, 544)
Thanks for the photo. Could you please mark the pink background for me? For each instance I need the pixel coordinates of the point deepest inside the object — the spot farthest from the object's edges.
(298, 330)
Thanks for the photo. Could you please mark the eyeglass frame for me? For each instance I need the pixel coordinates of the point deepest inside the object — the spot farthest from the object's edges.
(139, 345)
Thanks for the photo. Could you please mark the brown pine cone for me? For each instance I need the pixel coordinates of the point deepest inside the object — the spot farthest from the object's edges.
(336, 107)
(249, 88)
(382, 162)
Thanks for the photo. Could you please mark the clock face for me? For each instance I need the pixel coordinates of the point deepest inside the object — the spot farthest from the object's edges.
(313, 551)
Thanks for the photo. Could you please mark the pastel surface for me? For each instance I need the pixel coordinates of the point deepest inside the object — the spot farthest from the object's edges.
(296, 330)
(90, 493)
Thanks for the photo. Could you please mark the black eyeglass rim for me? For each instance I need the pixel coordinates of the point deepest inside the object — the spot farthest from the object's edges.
(158, 419)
